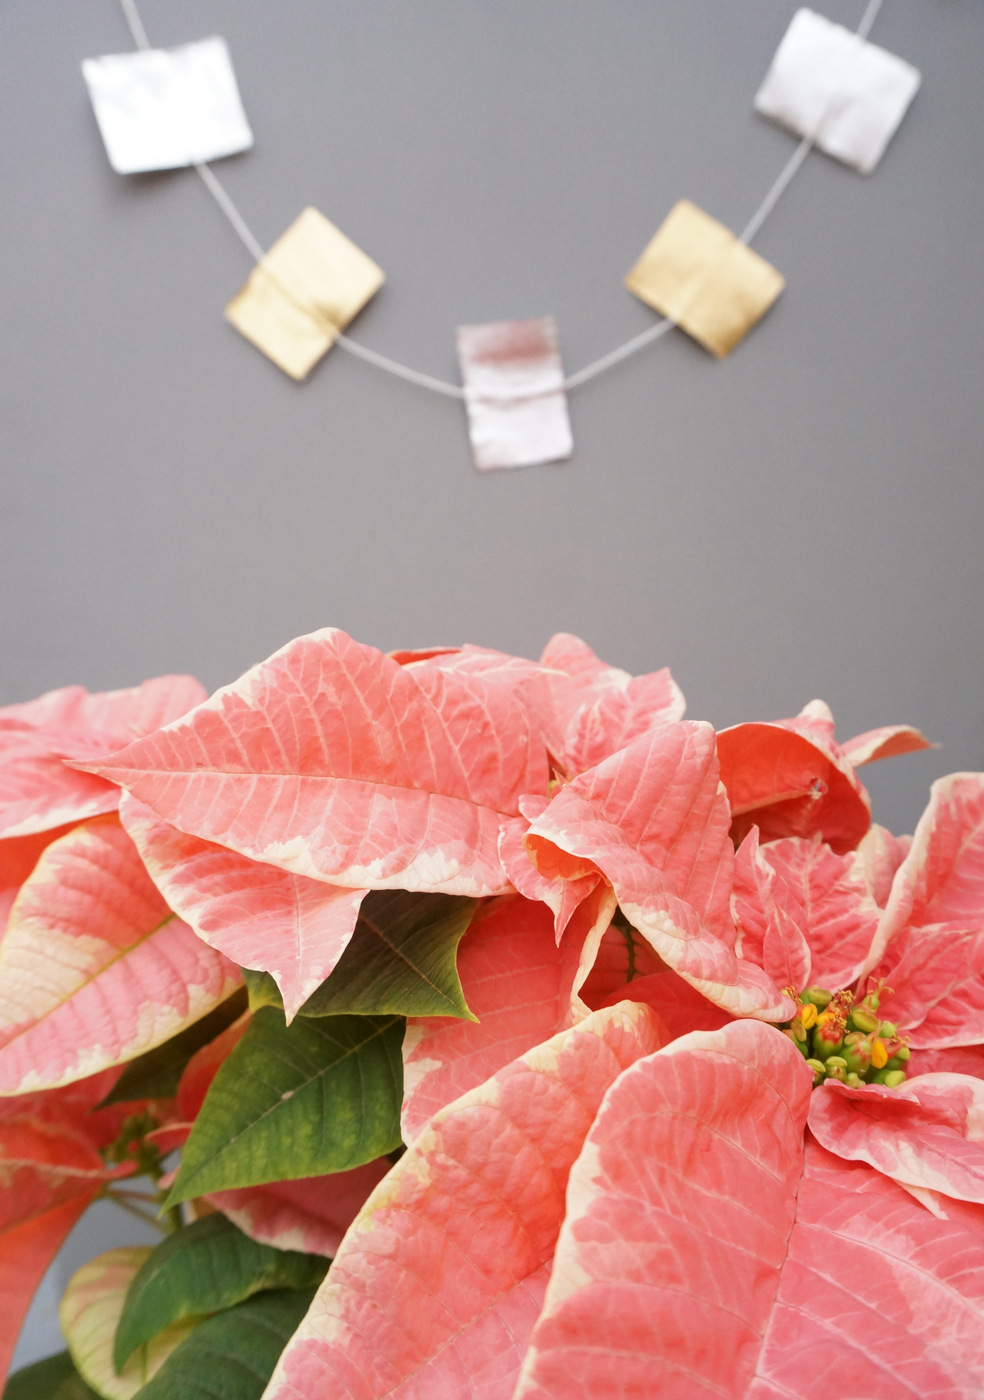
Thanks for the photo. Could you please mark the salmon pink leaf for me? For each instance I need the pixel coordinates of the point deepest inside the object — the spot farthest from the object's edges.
(43, 1165)
(332, 761)
(438, 1282)
(240, 1346)
(562, 896)
(941, 879)
(890, 741)
(654, 820)
(94, 969)
(928, 1133)
(680, 1007)
(822, 902)
(959, 1059)
(26, 1250)
(204, 1268)
(258, 915)
(704, 1253)
(789, 779)
(320, 1096)
(599, 708)
(310, 1215)
(522, 989)
(936, 975)
(772, 935)
(157, 1073)
(37, 791)
(107, 719)
(89, 1313)
(680, 1209)
(878, 856)
(512, 976)
(623, 956)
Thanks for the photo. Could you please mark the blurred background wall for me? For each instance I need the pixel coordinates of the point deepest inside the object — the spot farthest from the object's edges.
(802, 519)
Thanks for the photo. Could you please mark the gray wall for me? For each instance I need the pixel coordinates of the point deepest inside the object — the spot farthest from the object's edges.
(799, 520)
(802, 519)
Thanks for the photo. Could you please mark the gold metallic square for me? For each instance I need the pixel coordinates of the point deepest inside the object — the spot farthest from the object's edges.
(697, 273)
(307, 288)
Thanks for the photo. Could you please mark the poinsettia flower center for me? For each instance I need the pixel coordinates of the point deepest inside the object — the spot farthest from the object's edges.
(847, 1040)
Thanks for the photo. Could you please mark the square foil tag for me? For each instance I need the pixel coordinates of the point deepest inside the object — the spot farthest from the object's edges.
(697, 274)
(307, 289)
(162, 108)
(514, 393)
(847, 95)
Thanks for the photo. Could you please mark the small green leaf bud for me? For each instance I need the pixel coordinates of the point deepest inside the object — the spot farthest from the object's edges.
(818, 996)
(853, 1081)
(836, 1067)
(888, 1030)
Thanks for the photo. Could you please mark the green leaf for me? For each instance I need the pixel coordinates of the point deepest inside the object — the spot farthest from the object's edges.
(262, 989)
(232, 1355)
(401, 959)
(204, 1268)
(155, 1075)
(54, 1378)
(319, 1096)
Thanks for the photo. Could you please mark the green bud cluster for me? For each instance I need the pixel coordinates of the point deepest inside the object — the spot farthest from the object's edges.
(131, 1145)
(847, 1041)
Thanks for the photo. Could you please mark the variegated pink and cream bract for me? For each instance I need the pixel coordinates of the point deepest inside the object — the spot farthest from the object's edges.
(266, 813)
(612, 1185)
(94, 968)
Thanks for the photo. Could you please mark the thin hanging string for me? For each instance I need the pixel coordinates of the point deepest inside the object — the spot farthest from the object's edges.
(772, 198)
(620, 353)
(868, 18)
(132, 16)
(441, 386)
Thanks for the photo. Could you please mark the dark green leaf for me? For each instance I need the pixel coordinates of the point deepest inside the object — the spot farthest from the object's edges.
(401, 961)
(155, 1075)
(231, 1356)
(204, 1268)
(321, 1095)
(54, 1378)
(262, 989)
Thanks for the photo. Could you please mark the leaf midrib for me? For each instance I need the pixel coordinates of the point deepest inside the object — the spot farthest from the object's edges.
(279, 1103)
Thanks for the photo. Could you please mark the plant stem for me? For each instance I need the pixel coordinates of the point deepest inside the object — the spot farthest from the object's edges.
(143, 1215)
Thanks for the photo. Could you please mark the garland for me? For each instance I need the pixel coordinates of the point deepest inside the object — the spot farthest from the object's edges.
(836, 90)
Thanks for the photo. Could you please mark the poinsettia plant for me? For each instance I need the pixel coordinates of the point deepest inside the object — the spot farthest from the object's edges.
(474, 1026)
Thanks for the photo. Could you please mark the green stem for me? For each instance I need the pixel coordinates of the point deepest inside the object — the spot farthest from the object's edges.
(143, 1215)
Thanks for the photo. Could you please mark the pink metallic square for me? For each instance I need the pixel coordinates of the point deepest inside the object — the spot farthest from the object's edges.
(514, 393)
